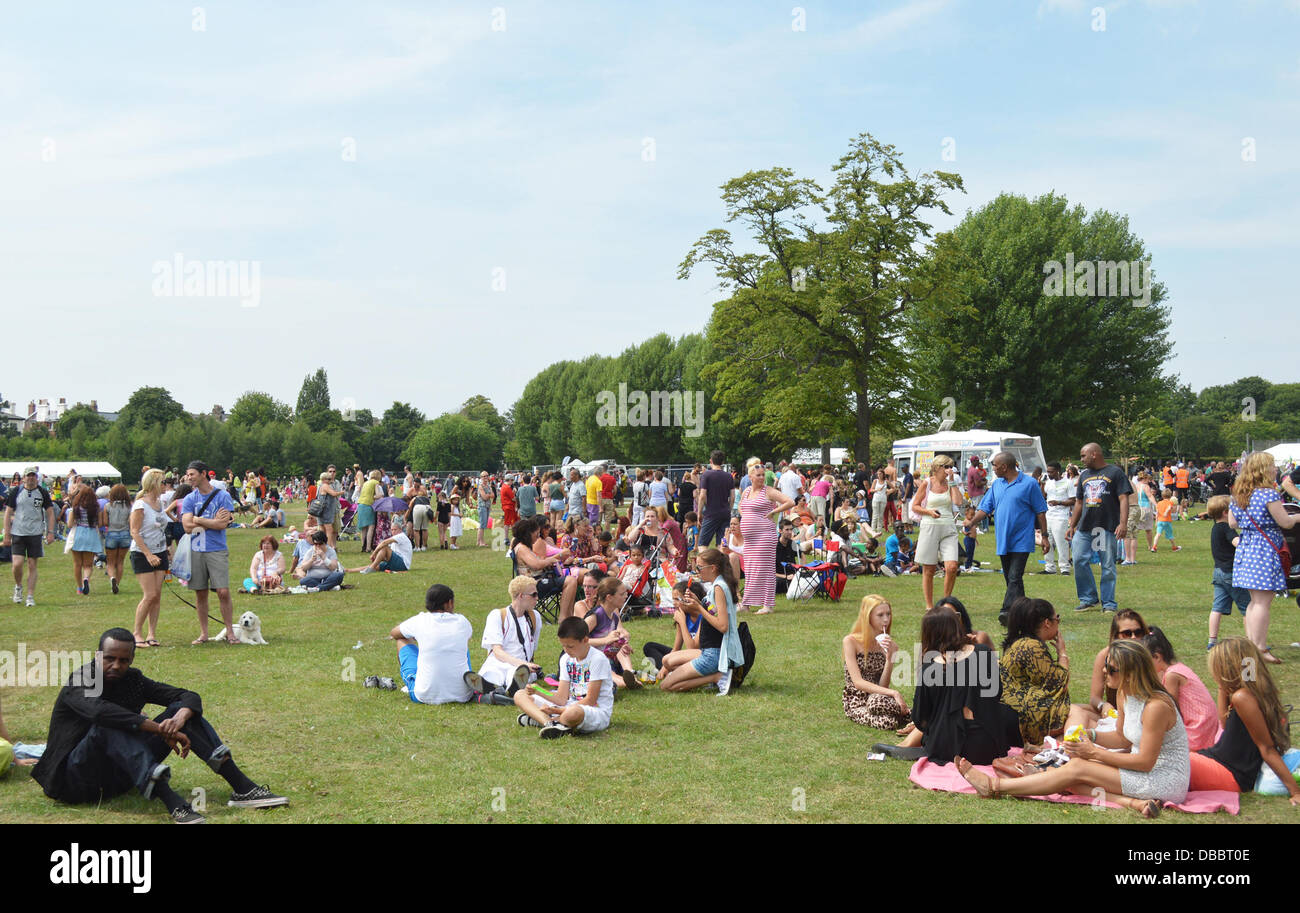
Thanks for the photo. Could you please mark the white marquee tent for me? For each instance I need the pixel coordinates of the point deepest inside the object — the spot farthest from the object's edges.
(95, 469)
(1284, 453)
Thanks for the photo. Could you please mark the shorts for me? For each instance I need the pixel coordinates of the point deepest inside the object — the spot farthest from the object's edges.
(1135, 514)
(1166, 529)
(594, 719)
(120, 539)
(707, 662)
(140, 564)
(175, 530)
(936, 542)
(607, 509)
(557, 505)
(86, 539)
(1225, 594)
(394, 564)
(365, 516)
(210, 570)
(420, 517)
(593, 514)
(28, 546)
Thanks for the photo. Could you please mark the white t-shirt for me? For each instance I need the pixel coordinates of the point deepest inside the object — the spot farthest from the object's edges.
(789, 484)
(153, 527)
(580, 673)
(499, 629)
(443, 640)
(402, 547)
(1061, 490)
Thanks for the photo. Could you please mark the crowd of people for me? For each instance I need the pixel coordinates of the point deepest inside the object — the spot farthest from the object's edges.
(729, 541)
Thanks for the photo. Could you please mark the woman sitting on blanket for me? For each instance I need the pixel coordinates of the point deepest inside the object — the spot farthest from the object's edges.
(1035, 684)
(1254, 723)
(1154, 769)
(1125, 625)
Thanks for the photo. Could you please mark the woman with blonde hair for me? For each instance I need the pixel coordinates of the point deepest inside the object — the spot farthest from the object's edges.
(869, 650)
(1258, 512)
(1254, 723)
(1152, 765)
(936, 502)
(149, 557)
(760, 505)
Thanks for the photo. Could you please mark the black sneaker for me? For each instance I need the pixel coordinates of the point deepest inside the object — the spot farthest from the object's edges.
(187, 815)
(522, 674)
(387, 684)
(85, 587)
(526, 720)
(372, 681)
(554, 731)
(1085, 608)
(257, 797)
(476, 683)
(114, 586)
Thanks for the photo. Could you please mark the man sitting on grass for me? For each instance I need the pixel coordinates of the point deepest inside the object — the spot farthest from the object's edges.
(101, 746)
(392, 554)
(584, 699)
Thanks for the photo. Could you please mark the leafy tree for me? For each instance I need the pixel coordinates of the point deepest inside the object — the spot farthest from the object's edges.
(1022, 359)
(314, 395)
(257, 408)
(81, 418)
(382, 445)
(451, 442)
(810, 343)
(1131, 430)
(1199, 436)
(150, 406)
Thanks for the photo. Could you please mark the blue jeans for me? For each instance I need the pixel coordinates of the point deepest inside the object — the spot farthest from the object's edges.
(712, 529)
(324, 583)
(1081, 550)
(1225, 594)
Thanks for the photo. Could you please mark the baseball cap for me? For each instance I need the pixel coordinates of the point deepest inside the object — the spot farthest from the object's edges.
(31, 471)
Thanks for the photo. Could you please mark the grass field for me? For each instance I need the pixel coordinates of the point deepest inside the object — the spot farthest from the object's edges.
(780, 749)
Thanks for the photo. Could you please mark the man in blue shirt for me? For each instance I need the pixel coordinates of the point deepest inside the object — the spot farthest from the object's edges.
(1017, 505)
(205, 513)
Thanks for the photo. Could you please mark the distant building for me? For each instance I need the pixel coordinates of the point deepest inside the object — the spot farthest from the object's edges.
(7, 417)
(41, 413)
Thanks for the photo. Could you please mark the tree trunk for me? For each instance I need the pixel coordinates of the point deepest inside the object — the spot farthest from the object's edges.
(826, 454)
(862, 447)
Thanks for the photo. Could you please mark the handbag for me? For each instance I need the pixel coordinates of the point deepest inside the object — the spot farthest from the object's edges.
(1283, 553)
(317, 506)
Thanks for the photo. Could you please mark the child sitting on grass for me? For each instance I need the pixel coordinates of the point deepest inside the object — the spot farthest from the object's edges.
(1164, 519)
(584, 698)
(720, 648)
(686, 630)
(605, 627)
(1223, 548)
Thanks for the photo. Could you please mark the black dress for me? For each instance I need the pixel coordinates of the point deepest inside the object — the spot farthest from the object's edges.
(944, 689)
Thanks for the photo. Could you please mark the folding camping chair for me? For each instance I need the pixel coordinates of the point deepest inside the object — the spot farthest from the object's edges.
(826, 579)
(548, 606)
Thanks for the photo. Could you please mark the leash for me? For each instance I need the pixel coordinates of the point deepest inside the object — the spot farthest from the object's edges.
(190, 604)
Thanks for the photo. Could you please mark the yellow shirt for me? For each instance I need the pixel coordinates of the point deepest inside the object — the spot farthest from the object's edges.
(593, 490)
(367, 495)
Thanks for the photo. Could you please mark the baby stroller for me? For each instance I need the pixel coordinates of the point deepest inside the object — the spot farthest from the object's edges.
(349, 530)
(641, 595)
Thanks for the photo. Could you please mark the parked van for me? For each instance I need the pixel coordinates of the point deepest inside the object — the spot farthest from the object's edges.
(916, 453)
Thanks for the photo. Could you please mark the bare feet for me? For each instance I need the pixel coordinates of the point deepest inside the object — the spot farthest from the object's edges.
(1150, 808)
(984, 785)
(1270, 658)
(906, 730)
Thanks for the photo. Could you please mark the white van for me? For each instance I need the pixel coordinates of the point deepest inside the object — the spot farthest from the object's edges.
(915, 453)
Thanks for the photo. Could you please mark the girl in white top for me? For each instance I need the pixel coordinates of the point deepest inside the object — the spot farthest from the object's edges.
(148, 524)
(510, 636)
(936, 502)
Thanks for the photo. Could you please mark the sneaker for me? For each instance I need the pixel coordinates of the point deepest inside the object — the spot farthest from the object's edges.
(372, 681)
(525, 720)
(1210, 645)
(629, 679)
(387, 684)
(1109, 610)
(31, 601)
(85, 587)
(257, 797)
(18, 594)
(476, 682)
(521, 676)
(1085, 608)
(888, 571)
(1177, 548)
(454, 548)
(367, 570)
(724, 684)
(554, 730)
(187, 815)
(1128, 564)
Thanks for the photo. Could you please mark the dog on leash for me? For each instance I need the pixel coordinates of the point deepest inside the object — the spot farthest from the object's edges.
(247, 631)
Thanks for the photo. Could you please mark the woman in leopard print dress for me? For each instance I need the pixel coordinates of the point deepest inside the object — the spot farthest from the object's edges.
(868, 650)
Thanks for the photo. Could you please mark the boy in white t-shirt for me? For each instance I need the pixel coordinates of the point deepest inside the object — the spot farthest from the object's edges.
(584, 699)
(433, 650)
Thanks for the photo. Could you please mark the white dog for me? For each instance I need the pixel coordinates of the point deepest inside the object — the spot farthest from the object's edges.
(248, 631)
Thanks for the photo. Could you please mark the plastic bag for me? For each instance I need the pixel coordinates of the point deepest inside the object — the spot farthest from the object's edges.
(180, 565)
(1268, 784)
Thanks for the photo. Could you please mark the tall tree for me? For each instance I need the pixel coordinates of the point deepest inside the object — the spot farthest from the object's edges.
(452, 442)
(257, 408)
(314, 394)
(150, 406)
(810, 341)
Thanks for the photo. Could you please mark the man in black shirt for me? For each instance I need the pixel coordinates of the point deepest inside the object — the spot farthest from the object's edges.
(101, 746)
(786, 557)
(1100, 515)
(714, 496)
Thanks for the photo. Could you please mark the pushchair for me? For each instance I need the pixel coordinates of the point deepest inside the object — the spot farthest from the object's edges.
(348, 520)
(641, 595)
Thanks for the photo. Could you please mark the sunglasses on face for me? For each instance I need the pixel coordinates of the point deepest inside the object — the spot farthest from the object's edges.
(1109, 669)
(1129, 632)
(532, 593)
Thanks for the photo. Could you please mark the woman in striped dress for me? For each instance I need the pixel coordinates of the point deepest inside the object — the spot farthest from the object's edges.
(760, 505)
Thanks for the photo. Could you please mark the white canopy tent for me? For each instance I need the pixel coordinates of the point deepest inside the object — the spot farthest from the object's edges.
(1288, 452)
(95, 469)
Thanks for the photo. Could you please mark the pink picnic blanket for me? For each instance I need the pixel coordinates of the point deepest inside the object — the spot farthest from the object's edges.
(946, 777)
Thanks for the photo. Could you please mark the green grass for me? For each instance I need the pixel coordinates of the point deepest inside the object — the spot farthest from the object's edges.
(346, 753)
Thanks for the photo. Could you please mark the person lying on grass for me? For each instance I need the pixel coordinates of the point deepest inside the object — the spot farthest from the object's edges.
(686, 630)
(1254, 721)
(605, 627)
(1153, 770)
(433, 650)
(101, 746)
(719, 640)
(391, 554)
(583, 700)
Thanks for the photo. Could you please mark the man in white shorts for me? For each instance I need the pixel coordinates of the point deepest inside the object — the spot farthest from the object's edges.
(584, 699)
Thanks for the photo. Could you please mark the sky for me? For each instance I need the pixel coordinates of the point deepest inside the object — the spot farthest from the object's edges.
(439, 200)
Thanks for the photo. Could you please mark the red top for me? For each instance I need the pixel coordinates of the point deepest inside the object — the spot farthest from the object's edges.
(607, 486)
(507, 497)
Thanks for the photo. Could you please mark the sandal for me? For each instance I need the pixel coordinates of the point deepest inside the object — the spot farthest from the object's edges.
(986, 786)
(1150, 809)
(201, 640)
(142, 643)
(763, 611)
(153, 643)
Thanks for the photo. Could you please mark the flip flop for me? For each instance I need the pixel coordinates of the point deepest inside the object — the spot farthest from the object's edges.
(153, 643)
(764, 611)
(142, 643)
(201, 640)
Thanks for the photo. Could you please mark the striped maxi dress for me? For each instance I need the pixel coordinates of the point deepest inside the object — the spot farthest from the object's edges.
(760, 548)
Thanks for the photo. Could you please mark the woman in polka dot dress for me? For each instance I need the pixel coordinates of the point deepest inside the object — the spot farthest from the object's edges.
(1258, 512)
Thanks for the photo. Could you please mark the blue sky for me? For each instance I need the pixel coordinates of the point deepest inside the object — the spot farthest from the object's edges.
(127, 136)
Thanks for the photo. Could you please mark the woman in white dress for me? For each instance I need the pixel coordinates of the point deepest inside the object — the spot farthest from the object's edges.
(936, 502)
